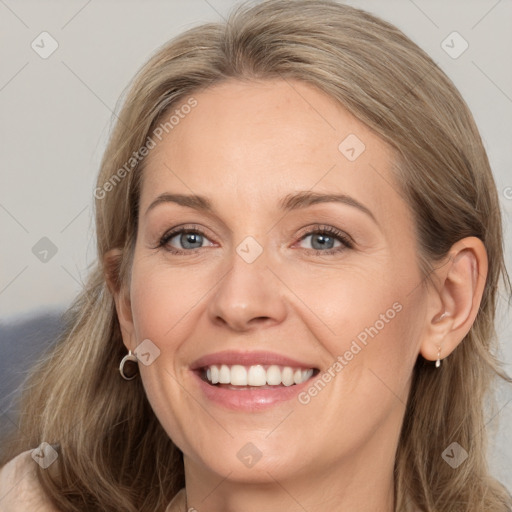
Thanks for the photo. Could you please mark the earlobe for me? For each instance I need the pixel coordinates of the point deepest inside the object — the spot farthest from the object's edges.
(456, 301)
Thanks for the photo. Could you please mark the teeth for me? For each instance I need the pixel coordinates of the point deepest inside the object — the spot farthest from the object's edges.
(274, 376)
(224, 375)
(256, 375)
(238, 375)
(214, 374)
(287, 376)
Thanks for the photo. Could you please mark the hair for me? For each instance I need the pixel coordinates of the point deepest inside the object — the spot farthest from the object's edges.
(114, 454)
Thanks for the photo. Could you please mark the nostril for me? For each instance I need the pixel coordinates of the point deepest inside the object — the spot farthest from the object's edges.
(260, 318)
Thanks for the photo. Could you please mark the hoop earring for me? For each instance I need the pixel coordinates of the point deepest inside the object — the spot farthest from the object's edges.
(128, 358)
(438, 362)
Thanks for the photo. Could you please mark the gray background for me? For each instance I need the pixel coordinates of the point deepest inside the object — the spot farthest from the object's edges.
(56, 114)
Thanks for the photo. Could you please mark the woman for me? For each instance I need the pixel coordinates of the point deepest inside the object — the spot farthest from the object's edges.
(299, 250)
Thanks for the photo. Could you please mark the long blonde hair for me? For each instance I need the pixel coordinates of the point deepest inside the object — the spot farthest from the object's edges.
(114, 454)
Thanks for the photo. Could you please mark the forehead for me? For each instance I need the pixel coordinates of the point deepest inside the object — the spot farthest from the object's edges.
(248, 144)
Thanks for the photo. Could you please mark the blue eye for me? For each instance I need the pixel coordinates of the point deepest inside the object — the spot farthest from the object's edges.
(188, 240)
(326, 240)
(180, 241)
(321, 241)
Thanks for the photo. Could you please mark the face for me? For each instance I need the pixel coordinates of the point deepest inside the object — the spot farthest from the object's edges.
(297, 263)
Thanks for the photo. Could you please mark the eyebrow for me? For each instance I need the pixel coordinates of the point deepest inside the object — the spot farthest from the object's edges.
(190, 201)
(288, 203)
(305, 199)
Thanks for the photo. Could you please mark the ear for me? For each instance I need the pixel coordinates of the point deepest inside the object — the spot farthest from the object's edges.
(455, 300)
(111, 267)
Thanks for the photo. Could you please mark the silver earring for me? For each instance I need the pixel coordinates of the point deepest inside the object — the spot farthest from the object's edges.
(438, 362)
(128, 358)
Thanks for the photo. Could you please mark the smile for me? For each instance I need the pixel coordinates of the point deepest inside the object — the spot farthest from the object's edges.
(250, 381)
(256, 375)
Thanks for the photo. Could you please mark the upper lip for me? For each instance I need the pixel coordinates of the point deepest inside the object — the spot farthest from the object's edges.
(231, 357)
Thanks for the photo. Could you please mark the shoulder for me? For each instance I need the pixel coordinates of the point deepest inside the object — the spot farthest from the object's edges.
(19, 487)
(179, 503)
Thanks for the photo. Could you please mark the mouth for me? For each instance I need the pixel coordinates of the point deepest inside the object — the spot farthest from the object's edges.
(259, 376)
(250, 381)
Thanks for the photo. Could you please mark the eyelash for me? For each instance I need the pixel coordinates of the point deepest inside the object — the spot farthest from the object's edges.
(330, 231)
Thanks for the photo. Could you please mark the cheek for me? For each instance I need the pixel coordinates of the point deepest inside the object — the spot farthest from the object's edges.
(353, 300)
(368, 319)
(368, 381)
(163, 299)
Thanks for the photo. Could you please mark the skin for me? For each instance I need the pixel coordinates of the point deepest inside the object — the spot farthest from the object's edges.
(245, 146)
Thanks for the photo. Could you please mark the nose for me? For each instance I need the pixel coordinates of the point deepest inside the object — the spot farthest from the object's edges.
(248, 296)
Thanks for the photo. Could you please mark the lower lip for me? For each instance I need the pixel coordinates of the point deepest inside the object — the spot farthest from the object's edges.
(249, 399)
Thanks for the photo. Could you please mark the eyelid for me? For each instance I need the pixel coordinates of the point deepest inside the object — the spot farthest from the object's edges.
(345, 240)
(343, 236)
(177, 230)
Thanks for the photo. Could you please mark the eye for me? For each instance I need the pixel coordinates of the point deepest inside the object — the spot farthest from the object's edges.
(320, 239)
(325, 240)
(183, 240)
